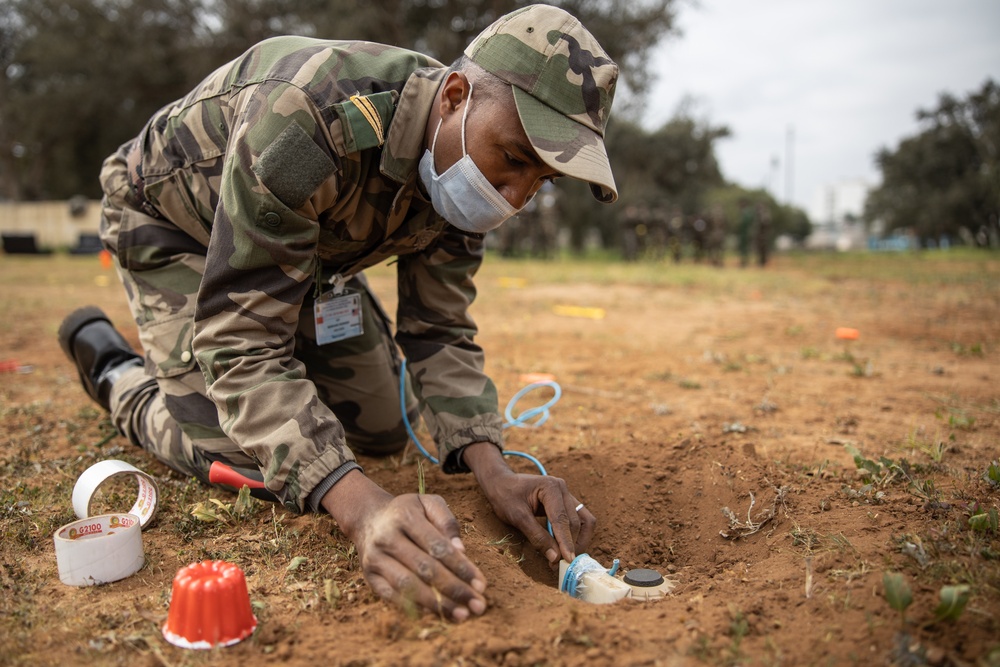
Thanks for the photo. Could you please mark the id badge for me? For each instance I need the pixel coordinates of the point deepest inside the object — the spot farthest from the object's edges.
(338, 317)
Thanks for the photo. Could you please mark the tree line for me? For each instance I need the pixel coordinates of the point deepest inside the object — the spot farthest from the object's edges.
(943, 183)
(80, 77)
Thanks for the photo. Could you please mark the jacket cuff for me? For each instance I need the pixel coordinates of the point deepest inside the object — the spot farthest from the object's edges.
(316, 495)
(454, 463)
(488, 429)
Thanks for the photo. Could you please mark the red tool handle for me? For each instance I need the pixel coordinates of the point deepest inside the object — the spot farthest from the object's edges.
(220, 473)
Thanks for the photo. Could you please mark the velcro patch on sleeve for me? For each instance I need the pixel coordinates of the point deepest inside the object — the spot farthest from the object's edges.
(366, 119)
(293, 166)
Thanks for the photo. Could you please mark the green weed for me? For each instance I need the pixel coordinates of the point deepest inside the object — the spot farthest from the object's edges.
(992, 475)
(984, 521)
(882, 472)
(962, 350)
(809, 353)
(218, 511)
(933, 447)
(738, 629)
(953, 599)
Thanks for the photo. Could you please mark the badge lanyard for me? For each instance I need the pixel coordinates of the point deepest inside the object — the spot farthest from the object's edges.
(338, 313)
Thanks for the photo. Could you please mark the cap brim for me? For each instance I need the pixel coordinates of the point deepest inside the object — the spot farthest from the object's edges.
(567, 146)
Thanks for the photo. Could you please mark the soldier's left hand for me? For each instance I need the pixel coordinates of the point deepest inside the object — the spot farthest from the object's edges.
(519, 498)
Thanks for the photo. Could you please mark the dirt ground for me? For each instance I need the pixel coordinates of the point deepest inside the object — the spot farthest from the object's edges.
(707, 420)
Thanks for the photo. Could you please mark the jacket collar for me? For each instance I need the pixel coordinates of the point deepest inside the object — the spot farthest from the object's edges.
(404, 144)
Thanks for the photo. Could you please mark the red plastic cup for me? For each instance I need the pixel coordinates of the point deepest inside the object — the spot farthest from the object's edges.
(209, 606)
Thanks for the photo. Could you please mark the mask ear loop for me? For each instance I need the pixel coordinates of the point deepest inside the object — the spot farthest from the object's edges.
(434, 141)
(465, 115)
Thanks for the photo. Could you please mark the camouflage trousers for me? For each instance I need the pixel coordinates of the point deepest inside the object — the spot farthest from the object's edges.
(163, 407)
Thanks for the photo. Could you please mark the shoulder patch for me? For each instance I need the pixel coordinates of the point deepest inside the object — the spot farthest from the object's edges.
(293, 166)
(365, 119)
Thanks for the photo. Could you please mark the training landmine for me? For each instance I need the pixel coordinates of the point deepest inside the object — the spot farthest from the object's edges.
(587, 580)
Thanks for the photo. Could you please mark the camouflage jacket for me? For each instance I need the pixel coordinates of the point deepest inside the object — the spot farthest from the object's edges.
(298, 160)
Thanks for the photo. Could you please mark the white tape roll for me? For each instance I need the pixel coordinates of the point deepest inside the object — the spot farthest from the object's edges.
(94, 476)
(99, 549)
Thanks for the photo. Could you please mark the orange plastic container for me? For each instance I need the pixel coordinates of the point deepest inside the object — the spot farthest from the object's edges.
(209, 606)
(846, 333)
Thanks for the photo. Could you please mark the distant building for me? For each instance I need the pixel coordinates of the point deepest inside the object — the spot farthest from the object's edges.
(837, 216)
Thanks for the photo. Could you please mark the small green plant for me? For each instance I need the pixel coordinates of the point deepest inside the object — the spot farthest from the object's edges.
(883, 472)
(926, 490)
(992, 475)
(217, 511)
(845, 356)
(982, 521)
(899, 596)
(738, 629)
(932, 447)
(953, 601)
(862, 370)
(331, 592)
(962, 422)
(957, 419)
(296, 563)
(421, 484)
(503, 546)
(897, 593)
(974, 350)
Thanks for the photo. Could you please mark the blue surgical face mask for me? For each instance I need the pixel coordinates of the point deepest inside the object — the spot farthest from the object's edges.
(462, 195)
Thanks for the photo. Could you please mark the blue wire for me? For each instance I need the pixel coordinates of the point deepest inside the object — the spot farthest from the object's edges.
(521, 421)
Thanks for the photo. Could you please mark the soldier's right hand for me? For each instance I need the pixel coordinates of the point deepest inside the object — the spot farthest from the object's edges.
(409, 547)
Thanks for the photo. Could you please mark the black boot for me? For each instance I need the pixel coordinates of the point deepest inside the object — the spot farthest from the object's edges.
(100, 353)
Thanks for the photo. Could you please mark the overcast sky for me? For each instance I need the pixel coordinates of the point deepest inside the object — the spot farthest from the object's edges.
(846, 75)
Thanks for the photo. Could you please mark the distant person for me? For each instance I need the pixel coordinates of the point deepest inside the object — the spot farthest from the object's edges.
(699, 236)
(632, 225)
(544, 231)
(716, 236)
(762, 233)
(241, 220)
(676, 234)
(744, 230)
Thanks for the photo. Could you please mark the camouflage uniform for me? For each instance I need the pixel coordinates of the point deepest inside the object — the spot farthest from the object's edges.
(264, 178)
(295, 165)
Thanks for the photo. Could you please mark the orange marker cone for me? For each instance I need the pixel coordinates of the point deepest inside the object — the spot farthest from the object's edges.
(105, 258)
(847, 333)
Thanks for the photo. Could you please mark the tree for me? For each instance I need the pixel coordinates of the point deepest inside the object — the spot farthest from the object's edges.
(79, 77)
(945, 180)
(682, 159)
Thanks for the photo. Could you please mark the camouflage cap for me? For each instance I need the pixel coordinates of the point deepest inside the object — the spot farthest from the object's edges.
(563, 84)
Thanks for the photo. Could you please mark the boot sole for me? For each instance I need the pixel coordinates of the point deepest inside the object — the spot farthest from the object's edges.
(76, 321)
